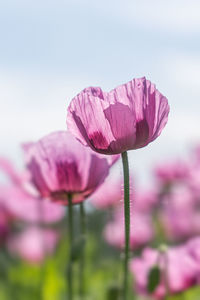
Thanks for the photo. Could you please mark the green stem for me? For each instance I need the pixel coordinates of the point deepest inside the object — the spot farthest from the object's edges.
(82, 257)
(166, 282)
(40, 211)
(163, 254)
(127, 223)
(71, 240)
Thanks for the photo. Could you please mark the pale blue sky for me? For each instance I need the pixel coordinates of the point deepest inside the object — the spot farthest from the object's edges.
(50, 50)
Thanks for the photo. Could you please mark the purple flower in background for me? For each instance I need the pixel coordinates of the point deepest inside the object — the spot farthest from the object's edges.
(141, 230)
(194, 178)
(179, 215)
(16, 177)
(128, 117)
(193, 248)
(170, 172)
(4, 226)
(60, 166)
(23, 206)
(145, 201)
(108, 194)
(179, 270)
(18, 199)
(33, 244)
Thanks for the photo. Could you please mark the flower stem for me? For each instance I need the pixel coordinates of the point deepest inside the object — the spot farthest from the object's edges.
(164, 255)
(71, 240)
(82, 257)
(127, 222)
(40, 212)
(166, 282)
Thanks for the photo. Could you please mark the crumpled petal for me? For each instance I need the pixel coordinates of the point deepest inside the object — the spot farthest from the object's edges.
(60, 166)
(128, 117)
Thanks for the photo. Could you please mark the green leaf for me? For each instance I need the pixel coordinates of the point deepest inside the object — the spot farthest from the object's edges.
(153, 278)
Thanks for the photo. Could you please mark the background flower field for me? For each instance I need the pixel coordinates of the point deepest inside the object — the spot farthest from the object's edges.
(50, 51)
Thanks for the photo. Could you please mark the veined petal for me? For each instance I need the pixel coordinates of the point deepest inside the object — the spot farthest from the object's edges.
(61, 166)
(156, 112)
(86, 120)
(128, 117)
(123, 130)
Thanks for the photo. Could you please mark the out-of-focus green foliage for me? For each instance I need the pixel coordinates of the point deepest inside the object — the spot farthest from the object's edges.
(153, 278)
(22, 281)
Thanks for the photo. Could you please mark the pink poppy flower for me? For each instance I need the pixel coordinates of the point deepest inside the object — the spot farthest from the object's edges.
(128, 117)
(180, 269)
(60, 166)
(33, 244)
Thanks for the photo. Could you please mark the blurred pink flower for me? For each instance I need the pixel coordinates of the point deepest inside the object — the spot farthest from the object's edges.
(33, 244)
(180, 225)
(170, 172)
(109, 193)
(4, 226)
(179, 215)
(60, 166)
(193, 247)
(141, 230)
(145, 200)
(18, 199)
(194, 179)
(17, 178)
(180, 269)
(23, 206)
(128, 117)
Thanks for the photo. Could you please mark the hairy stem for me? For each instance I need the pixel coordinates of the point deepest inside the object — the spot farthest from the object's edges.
(82, 257)
(71, 241)
(127, 223)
